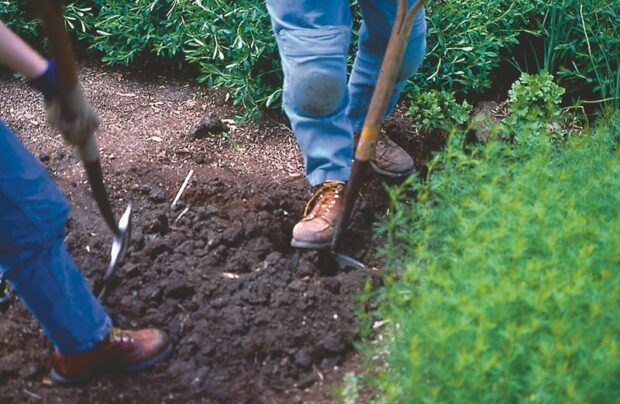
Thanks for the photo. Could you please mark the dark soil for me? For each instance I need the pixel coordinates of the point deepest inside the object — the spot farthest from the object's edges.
(215, 270)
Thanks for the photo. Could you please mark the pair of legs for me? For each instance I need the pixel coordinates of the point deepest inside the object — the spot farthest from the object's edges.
(324, 109)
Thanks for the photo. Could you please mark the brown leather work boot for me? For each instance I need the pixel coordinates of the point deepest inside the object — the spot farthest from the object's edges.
(390, 159)
(315, 230)
(128, 351)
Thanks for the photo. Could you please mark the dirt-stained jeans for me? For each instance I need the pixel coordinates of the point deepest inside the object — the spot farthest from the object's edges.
(313, 39)
(33, 255)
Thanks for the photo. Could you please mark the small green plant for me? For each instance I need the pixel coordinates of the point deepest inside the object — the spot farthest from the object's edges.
(437, 110)
(508, 285)
(350, 392)
(534, 107)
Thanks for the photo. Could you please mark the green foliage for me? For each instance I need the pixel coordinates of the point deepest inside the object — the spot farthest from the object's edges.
(581, 45)
(437, 110)
(534, 106)
(18, 19)
(78, 17)
(231, 42)
(465, 39)
(240, 38)
(350, 392)
(509, 275)
(233, 46)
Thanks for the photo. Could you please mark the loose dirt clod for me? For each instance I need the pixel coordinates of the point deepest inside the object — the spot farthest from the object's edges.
(209, 125)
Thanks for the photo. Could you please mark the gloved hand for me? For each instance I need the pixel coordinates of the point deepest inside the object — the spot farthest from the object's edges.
(78, 128)
(79, 121)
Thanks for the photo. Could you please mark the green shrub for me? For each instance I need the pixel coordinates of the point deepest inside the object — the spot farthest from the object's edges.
(534, 106)
(78, 17)
(232, 42)
(581, 46)
(465, 39)
(509, 275)
(233, 46)
(239, 37)
(468, 40)
(18, 19)
(437, 110)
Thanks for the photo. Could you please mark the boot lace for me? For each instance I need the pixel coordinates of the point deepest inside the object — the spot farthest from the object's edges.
(326, 195)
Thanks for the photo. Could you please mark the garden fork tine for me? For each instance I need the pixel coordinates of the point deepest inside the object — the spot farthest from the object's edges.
(376, 112)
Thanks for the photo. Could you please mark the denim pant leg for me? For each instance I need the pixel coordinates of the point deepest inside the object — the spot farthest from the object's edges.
(33, 256)
(313, 39)
(378, 19)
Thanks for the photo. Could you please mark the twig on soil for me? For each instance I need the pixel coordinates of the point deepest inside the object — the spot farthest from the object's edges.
(31, 394)
(181, 214)
(293, 177)
(282, 126)
(176, 198)
(55, 140)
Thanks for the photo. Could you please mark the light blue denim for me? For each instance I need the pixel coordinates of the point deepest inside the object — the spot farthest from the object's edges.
(313, 39)
(33, 256)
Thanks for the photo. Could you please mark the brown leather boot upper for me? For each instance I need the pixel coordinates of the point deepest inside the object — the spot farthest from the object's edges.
(122, 350)
(390, 159)
(315, 230)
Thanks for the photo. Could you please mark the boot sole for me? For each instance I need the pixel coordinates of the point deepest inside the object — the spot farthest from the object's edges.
(390, 173)
(310, 246)
(64, 380)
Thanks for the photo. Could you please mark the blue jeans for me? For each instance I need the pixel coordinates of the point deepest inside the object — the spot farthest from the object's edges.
(313, 39)
(33, 255)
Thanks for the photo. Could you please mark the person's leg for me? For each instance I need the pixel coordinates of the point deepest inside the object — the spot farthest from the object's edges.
(36, 262)
(313, 38)
(32, 253)
(378, 16)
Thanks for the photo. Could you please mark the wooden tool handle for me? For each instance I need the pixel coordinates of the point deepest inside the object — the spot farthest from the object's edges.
(387, 78)
(51, 15)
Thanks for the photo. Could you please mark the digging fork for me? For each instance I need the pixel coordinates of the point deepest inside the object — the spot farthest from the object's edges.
(50, 13)
(376, 112)
(372, 127)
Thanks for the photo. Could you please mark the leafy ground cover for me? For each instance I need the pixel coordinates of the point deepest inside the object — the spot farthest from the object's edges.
(506, 277)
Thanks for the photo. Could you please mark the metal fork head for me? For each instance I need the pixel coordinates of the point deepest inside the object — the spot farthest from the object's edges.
(120, 243)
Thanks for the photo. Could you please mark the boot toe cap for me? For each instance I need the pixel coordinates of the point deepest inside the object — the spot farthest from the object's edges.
(312, 234)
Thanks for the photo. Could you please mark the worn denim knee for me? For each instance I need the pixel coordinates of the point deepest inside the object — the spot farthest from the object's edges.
(315, 98)
(313, 39)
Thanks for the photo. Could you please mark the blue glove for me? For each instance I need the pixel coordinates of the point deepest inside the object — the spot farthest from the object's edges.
(47, 83)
